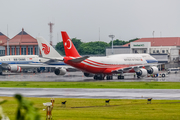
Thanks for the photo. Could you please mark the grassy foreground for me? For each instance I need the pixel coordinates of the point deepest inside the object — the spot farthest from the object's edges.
(95, 109)
(98, 84)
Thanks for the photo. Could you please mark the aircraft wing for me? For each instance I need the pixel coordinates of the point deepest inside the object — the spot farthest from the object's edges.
(67, 67)
(31, 65)
(126, 69)
(36, 65)
(121, 70)
(6, 66)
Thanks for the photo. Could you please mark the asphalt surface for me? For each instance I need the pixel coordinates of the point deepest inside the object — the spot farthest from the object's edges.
(78, 76)
(171, 94)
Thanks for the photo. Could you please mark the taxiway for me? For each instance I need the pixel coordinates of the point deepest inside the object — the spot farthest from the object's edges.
(171, 94)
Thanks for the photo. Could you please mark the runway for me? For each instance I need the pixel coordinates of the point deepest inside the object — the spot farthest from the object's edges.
(168, 94)
(171, 94)
(79, 76)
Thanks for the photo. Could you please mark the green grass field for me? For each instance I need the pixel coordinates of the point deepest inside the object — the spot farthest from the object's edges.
(95, 109)
(98, 84)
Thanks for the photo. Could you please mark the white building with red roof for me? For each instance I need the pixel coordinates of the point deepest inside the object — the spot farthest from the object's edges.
(164, 49)
(154, 45)
(22, 44)
(3, 39)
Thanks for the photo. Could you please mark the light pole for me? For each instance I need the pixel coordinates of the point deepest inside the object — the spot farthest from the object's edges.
(7, 41)
(112, 36)
(7, 46)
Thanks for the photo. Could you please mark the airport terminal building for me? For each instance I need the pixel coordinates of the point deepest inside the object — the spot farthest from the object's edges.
(21, 44)
(3, 39)
(164, 49)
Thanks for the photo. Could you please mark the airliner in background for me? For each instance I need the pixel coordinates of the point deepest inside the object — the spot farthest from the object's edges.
(101, 67)
(15, 63)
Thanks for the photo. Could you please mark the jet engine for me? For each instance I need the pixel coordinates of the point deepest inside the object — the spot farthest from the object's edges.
(60, 71)
(142, 72)
(88, 75)
(15, 68)
(153, 70)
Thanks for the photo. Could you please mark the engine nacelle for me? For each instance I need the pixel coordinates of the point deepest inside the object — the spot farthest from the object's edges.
(153, 70)
(88, 75)
(15, 68)
(142, 72)
(60, 71)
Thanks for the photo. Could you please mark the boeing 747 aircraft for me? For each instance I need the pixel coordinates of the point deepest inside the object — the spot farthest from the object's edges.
(101, 67)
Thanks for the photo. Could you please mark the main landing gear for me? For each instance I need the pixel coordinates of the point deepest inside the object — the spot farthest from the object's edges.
(120, 77)
(98, 77)
(109, 77)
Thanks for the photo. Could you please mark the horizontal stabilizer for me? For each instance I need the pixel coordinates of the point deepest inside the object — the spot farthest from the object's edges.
(76, 60)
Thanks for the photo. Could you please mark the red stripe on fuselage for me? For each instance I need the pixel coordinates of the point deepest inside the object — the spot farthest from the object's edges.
(96, 62)
(94, 68)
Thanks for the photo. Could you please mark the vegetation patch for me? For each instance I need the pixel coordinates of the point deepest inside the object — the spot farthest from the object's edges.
(97, 109)
(97, 84)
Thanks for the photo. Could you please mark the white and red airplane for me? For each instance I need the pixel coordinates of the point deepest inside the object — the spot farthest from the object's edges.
(99, 67)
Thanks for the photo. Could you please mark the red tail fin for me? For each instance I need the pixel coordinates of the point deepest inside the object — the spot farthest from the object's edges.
(69, 47)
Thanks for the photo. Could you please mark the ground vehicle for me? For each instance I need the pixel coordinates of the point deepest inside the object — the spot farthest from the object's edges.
(162, 75)
(173, 70)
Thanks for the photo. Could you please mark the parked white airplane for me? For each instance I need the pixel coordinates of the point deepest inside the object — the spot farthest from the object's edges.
(99, 67)
(15, 63)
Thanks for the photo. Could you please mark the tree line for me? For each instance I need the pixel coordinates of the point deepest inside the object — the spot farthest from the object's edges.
(91, 48)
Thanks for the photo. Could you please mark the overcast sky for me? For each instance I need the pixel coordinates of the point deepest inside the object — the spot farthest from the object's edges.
(83, 19)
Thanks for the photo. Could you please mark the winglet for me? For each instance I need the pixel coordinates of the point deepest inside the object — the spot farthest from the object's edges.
(47, 50)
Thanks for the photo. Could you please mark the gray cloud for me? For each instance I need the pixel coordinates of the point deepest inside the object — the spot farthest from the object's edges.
(126, 19)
